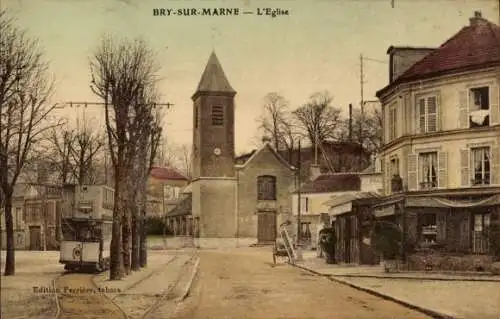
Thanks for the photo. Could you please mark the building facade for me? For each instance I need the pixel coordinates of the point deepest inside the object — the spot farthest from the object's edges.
(441, 156)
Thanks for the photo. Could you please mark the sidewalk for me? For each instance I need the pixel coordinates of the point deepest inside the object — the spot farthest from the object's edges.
(438, 295)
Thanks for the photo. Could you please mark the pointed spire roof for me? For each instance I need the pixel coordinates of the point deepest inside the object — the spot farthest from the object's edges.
(474, 46)
(213, 78)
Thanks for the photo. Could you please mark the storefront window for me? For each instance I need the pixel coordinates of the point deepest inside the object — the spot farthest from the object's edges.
(428, 228)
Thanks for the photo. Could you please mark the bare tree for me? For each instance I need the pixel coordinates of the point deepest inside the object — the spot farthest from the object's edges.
(278, 124)
(275, 109)
(25, 91)
(61, 142)
(122, 74)
(318, 118)
(366, 129)
(74, 153)
(184, 159)
(164, 155)
(86, 146)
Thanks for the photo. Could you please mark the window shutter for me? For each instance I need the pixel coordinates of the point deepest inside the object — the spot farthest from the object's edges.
(463, 117)
(431, 114)
(439, 114)
(421, 115)
(494, 105)
(442, 169)
(412, 172)
(387, 179)
(464, 167)
(495, 165)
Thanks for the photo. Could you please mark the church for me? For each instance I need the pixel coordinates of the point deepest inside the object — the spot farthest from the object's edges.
(232, 204)
(239, 201)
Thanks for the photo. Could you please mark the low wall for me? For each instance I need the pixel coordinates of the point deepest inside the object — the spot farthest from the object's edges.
(449, 262)
(223, 243)
(179, 242)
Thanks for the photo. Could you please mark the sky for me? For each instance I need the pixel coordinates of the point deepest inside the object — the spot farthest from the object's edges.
(316, 47)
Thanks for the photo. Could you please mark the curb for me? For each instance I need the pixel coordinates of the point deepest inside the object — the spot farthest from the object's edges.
(416, 278)
(189, 284)
(428, 312)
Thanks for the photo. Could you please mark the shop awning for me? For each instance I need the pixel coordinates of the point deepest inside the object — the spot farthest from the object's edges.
(450, 203)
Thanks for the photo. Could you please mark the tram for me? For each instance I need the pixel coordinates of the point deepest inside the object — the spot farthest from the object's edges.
(87, 229)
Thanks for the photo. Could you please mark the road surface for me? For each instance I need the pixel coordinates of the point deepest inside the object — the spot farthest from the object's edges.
(244, 284)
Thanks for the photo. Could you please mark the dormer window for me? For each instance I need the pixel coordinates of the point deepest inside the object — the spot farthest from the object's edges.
(479, 107)
(217, 115)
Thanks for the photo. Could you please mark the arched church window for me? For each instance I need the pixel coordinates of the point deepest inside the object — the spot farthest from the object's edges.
(217, 115)
(266, 187)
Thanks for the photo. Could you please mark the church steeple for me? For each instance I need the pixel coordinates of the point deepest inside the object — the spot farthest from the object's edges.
(213, 78)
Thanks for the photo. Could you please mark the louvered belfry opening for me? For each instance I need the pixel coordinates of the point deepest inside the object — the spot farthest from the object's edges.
(217, 115)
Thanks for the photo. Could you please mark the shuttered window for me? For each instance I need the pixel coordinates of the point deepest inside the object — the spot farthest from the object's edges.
(217, 115)
(428, 170)
(427, 113)
(480, 165)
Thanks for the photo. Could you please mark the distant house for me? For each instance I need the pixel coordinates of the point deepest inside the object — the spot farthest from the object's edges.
(339, 157)
(165, 184)
(314, 196)
(352, 245)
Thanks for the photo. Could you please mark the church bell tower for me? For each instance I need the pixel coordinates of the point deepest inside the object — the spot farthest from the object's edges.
(214, 178)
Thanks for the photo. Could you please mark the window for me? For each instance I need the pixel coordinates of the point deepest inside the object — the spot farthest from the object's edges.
(196, 117)
(479, 233)
(18, 217)
(394, 167)
(428, 228)
(392, 123)
(428, 170)
(427, 110)
(304, 204)
(217, 115)
(480, 162)
(266, 187)
(305, 231)
(479, 106)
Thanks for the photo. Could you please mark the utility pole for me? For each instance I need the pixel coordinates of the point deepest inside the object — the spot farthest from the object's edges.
(299, 226)
(362, 109)
(316, 145)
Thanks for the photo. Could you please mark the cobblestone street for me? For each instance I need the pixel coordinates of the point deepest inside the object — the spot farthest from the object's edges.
(244, 284)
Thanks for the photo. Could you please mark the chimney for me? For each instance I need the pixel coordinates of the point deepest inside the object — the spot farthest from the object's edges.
(477, 17)
(350, 122)
(314, 171)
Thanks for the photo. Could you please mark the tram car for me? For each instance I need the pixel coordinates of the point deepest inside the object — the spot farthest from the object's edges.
(86, 228)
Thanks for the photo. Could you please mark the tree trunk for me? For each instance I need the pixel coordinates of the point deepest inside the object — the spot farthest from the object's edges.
(10, 261)
(126, 234)
(135, 238)
(116, 261)
(143, 253)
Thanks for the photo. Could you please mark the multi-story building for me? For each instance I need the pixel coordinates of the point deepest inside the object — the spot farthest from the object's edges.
(441, 157)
